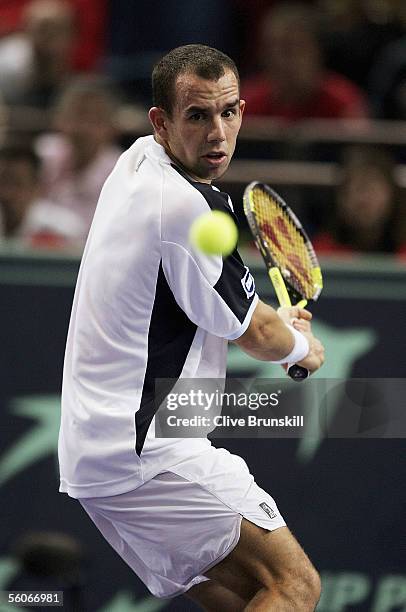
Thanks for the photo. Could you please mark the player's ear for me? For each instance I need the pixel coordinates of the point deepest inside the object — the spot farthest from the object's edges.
(158, 118)
(242, 107)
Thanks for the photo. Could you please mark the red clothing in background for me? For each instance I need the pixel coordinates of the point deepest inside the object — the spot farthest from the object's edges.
(337, 98)
(91, 28)
(92, 20)
(10, 15)
(324, 243)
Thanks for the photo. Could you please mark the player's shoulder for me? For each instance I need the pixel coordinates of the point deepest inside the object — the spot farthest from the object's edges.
(151, 169)
(180, 198)
(184, 200)
(137, 174)
(216, 199)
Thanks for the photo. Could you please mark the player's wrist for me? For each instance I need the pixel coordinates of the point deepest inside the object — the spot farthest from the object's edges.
(300, 348)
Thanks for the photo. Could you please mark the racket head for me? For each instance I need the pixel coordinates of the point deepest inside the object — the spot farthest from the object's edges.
(282, 241)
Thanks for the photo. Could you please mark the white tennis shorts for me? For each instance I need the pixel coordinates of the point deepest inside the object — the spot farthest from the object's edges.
(175, 527)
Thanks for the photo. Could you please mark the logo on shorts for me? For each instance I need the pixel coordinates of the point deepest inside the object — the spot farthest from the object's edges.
(248, 283)
(268, 511)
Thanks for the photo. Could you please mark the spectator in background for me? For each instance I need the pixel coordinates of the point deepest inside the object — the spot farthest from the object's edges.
(37, 62)
(90, 26)
(24, 214)
(356, 32)
(81, 154)
(294, 84)
(369, 213)
(387, 83)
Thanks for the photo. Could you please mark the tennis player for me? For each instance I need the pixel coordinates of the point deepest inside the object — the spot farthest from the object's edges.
(186, 517)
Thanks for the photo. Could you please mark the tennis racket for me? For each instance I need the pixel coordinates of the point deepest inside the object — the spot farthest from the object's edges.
(286, 249)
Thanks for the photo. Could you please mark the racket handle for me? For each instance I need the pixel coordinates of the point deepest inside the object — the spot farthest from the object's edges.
(302, 304)
(298, 373)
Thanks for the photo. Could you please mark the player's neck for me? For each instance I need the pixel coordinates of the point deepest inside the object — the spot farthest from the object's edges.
(169, 153)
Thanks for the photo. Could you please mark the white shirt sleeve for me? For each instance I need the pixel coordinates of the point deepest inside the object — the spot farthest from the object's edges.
(216, 294)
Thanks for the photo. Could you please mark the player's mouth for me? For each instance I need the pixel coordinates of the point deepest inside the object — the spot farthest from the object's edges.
(215, 158)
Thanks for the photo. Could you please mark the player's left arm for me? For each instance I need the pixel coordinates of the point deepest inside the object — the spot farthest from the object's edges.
(268, 338)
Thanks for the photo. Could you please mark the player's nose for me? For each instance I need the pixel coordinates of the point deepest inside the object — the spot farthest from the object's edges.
(216, 131)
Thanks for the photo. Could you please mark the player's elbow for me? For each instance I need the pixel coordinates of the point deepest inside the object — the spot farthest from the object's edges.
(258, 336)
(262, 339)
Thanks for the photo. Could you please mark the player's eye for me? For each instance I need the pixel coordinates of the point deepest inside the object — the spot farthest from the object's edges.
(230, 112)
(196, 117)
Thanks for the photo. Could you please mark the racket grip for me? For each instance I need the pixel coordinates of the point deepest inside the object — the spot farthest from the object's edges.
(298, 373)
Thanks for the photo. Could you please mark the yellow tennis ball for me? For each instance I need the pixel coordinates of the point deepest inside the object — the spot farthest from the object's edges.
(214, 233)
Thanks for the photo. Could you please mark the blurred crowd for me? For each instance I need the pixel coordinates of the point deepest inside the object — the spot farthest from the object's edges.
(69, 67)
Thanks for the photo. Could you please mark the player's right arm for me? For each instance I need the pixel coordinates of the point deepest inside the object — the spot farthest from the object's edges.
(268, 338)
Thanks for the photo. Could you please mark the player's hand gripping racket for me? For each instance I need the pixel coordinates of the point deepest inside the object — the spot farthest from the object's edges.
(287, 251)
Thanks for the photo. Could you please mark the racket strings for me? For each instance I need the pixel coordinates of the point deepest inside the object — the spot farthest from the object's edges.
(285, 242)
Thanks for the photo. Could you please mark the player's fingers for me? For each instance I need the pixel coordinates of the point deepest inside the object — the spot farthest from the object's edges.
(302, 326)
(302, 313)
(318, 352)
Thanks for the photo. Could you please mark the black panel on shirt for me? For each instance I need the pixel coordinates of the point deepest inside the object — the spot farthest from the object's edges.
(229, 285)
(170, 337)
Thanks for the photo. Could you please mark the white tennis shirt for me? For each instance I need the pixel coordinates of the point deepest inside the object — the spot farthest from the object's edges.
(146, 306)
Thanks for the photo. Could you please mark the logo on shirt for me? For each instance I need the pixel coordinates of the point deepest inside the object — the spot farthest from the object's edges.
(248, 283)
(268, 511)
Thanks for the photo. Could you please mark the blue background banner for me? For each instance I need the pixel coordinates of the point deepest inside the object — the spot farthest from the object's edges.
(344, 499)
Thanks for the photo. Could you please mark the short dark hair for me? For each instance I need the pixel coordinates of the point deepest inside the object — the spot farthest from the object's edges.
(21, 153)
(205, 62)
